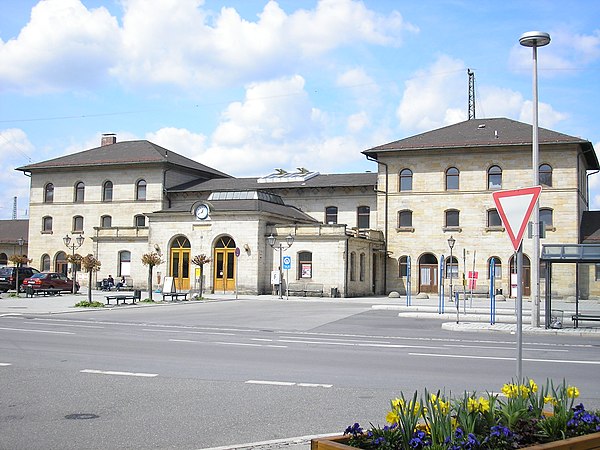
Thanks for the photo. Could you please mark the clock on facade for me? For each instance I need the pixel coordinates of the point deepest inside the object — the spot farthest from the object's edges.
(202, 211)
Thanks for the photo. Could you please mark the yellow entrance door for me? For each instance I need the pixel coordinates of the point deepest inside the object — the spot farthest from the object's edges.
(224, 264)
(180, 263)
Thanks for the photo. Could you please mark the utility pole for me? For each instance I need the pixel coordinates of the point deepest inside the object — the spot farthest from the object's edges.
(471, 94)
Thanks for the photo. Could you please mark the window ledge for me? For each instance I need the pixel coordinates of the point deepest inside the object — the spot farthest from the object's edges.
(46, 231)
(405, 229)
(492, 229)
(453, 229)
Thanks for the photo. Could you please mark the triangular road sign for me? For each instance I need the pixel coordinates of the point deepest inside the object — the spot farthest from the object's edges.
(515, 207)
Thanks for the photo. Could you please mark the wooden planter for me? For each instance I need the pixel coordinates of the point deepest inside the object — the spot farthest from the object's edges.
(587, 442)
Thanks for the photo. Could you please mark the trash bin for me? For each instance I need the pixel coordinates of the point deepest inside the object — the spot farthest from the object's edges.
(334, 292)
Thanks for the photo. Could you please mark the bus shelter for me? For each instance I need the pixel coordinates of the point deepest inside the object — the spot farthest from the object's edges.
(562, 254)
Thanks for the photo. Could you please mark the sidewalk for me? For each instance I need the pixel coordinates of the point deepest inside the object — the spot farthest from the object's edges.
(474, 316)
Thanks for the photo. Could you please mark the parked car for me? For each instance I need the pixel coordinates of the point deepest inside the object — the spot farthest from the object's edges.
(8, 277)
(49, 280)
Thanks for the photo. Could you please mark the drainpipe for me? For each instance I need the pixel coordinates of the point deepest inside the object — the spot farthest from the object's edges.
(385, 223)
(346, 271)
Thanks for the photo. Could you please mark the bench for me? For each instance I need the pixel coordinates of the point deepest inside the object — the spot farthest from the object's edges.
(137, 295)
(30, 291)
(305, 289)
(591, 317)
(175, 295)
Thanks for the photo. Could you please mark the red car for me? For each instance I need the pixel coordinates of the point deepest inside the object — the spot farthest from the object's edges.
(50, 280)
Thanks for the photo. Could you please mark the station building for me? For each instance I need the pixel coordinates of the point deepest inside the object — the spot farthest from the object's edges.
(353, 234)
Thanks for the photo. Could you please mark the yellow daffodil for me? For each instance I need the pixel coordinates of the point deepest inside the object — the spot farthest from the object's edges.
(572, 392)
(397, 402)
(510, 390)
(392, 417)
(533, 386)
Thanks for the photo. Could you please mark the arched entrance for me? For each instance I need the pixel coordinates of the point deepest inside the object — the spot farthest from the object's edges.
(224, 264)
(60, 263)
(526, 277)
(180, 262)
(428, 273)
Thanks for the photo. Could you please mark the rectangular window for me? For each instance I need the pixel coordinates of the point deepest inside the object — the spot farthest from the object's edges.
(363, 217)
(331, 215)
(493, 218)
(597, 272)
(352, 266)
(362, 267)
(452, 218)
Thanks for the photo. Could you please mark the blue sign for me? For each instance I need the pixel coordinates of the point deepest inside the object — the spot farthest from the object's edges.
(287, 262)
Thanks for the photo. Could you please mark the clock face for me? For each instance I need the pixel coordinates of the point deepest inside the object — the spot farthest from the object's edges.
(202, 211)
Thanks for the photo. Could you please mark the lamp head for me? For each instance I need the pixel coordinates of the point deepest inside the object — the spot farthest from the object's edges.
(451, 242)
(80, 240)
(271, 240)
(20, 242)
(67, 240)
(289, 239)
(534, 39)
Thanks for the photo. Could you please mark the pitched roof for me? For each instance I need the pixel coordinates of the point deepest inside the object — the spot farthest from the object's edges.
(126, 152)
(11, 230)
(590, 227)
(478, 133)
(320, 181)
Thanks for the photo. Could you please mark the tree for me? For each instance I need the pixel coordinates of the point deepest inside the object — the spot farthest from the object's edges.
(200, 260)
(90, 264)
(151, 259)
(19, 260)
(75, 260)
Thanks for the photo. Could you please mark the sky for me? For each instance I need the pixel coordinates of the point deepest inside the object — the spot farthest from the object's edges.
(247, 86)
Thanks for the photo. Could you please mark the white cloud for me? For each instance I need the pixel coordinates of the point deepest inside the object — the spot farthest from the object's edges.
(358, 122)
(183, 43)
(15, 151)
(431, 97)
(180, 140)
(64, 46)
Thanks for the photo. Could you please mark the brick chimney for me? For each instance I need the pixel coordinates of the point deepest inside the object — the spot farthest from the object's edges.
(108, 139)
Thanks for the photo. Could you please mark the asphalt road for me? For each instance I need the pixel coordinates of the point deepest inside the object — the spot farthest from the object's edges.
(199, 375)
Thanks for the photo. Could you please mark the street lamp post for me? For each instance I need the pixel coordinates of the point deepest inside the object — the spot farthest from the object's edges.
(20, 242)
(451, 242)
(272, 241)
(73, 246)
(535, 39)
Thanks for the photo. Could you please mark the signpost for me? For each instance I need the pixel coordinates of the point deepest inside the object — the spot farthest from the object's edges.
(237, 263)
(515, 208)
(287, 265)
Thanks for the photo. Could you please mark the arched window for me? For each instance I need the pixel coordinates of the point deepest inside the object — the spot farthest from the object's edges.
(49, 193)
(331, 214)
(494, 178)
(363, 216)
(140, 190)
(493, 218)
(78, 224)
(3, 259)
(452, 175)
(107, 191)
(452, 218)
(47, 224)
(45, 263)
(546, 217)
(305, 266)
(361, 267)
(545, 175)
(106, 221)
(79, 192)
(124, 263)
(405, 219)
(140, 220)
(497, 267)
(406, 177)
(403, 266)
(352, 266)
(452, 266)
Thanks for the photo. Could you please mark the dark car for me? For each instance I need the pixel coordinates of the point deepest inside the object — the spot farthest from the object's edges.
(49, 280)
(8, 276)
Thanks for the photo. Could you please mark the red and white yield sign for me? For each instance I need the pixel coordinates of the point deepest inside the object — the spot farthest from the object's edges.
(515, 207)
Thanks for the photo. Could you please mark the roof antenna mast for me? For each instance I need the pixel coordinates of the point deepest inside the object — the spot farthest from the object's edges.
(471, 94)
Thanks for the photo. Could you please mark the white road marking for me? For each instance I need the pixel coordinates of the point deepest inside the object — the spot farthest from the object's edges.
(505, 348)
(181, 340)
(37, 331)
(499, 358)
(244, 344)
(288, 383)
(189, 332)
(5, 364)
(353, 344)
(113, 372)
(73, 325)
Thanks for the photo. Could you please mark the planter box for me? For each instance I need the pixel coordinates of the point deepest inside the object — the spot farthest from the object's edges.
(587, 442)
